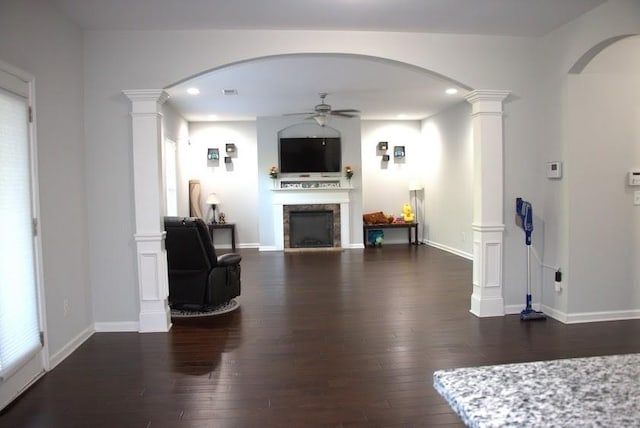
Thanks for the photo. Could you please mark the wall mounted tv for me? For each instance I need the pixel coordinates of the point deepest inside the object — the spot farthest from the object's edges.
(310, 154)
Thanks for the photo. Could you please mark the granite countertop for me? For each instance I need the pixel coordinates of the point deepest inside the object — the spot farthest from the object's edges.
(579, 392)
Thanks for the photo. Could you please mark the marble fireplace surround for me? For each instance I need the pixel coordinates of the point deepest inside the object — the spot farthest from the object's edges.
(309, 197)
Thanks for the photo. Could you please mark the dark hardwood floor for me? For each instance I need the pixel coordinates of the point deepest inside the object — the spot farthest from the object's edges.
(325, 339)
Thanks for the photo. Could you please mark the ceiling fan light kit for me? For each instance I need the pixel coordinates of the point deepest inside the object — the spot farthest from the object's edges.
(321, 119)
(322, 112)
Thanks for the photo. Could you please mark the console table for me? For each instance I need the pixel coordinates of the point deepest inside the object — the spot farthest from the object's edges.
(408, 226)
(230, 226)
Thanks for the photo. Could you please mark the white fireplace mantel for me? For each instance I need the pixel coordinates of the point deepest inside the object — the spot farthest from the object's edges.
(337, 195)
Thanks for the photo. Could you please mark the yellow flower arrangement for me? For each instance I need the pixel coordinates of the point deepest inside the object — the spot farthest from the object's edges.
(348, 172)
(273, 172)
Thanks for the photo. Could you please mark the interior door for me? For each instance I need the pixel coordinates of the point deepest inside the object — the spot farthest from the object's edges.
(21, 347)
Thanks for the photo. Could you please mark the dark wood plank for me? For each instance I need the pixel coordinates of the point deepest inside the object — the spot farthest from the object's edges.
(330, 339)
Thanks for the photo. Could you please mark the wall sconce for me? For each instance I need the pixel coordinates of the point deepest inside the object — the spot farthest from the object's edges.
(230, 148)
(213, 154)
(383, 146)
(398, 151)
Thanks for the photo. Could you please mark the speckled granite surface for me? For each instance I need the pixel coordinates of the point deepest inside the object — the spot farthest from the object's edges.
(580, 392)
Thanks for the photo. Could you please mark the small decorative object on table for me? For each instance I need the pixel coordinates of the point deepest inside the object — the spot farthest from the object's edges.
(407, 214)
(348, 172)
(273, 172)
(221, 219)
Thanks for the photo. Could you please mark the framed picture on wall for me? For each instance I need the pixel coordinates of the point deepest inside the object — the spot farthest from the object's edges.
(213, 154)
(398, 151)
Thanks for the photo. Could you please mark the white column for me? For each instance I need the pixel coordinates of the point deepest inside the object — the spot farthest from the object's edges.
(146, 121)
(488, 196)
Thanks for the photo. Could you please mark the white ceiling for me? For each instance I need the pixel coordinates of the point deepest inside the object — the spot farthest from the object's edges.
(381, 90)
(498, 17)
(290, 84)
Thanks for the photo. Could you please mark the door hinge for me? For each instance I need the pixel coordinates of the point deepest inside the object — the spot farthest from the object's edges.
(30, 115)
(42, 338)
(35, 226)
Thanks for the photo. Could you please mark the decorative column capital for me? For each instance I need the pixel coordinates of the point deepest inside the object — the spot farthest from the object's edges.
(487, 100)
(146, 100)
(487, 95)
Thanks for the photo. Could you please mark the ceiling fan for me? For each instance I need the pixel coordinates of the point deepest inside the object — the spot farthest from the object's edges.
(321, 112)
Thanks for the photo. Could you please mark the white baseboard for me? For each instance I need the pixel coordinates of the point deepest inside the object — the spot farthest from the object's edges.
(582, 317)
(246, 245)
(114, 327)
(71, 346)
(555, 314)
(449, 249)
(355, 246)
(268, 248)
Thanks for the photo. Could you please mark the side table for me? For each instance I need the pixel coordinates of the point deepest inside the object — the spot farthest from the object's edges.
(230, 226)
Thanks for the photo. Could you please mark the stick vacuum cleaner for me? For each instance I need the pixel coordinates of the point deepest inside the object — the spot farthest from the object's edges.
(524, 219)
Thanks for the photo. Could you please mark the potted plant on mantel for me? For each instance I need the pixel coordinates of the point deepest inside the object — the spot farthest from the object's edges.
(273, 173)
(348, 172)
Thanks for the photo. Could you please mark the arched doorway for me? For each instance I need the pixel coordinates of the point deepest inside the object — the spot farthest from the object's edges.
(488, 225)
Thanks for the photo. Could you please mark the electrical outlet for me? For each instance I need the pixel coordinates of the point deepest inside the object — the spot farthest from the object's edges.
(65, 307)
(463, 236)
(636, 197)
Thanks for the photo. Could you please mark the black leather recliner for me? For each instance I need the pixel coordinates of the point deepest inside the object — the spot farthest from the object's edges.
(198, 279)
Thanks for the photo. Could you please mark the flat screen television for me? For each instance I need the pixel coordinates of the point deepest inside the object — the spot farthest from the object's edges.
(310, 154)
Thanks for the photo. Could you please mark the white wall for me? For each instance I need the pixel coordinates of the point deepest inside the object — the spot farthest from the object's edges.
(386, 184)
(603, 145)
(448, 177)
(176, 128)
(36, 38)
(559, 51)
(236, 184)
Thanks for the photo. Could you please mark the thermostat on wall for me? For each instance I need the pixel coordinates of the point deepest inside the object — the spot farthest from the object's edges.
(634, 177)
(554, 169)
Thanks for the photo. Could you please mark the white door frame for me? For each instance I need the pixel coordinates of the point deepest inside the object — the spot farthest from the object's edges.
(39, 363)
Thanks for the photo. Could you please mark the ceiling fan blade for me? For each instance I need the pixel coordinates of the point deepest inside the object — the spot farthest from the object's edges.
(341, 114)
(298, 114)
(347, 110)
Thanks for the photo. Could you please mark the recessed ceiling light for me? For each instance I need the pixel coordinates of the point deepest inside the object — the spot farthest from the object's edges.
(451, 91)
(229, 92)
(193, 91)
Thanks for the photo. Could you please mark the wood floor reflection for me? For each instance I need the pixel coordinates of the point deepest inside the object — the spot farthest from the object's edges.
(325, 339)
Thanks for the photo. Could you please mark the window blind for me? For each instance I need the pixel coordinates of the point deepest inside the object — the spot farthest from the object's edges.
(19, 324)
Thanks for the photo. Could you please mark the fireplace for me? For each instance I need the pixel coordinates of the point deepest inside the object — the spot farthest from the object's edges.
(311, 226)
(310, 195)
(310, 229)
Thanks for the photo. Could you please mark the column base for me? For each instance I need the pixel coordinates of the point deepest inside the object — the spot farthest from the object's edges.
(154, 317)
(487, 306)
